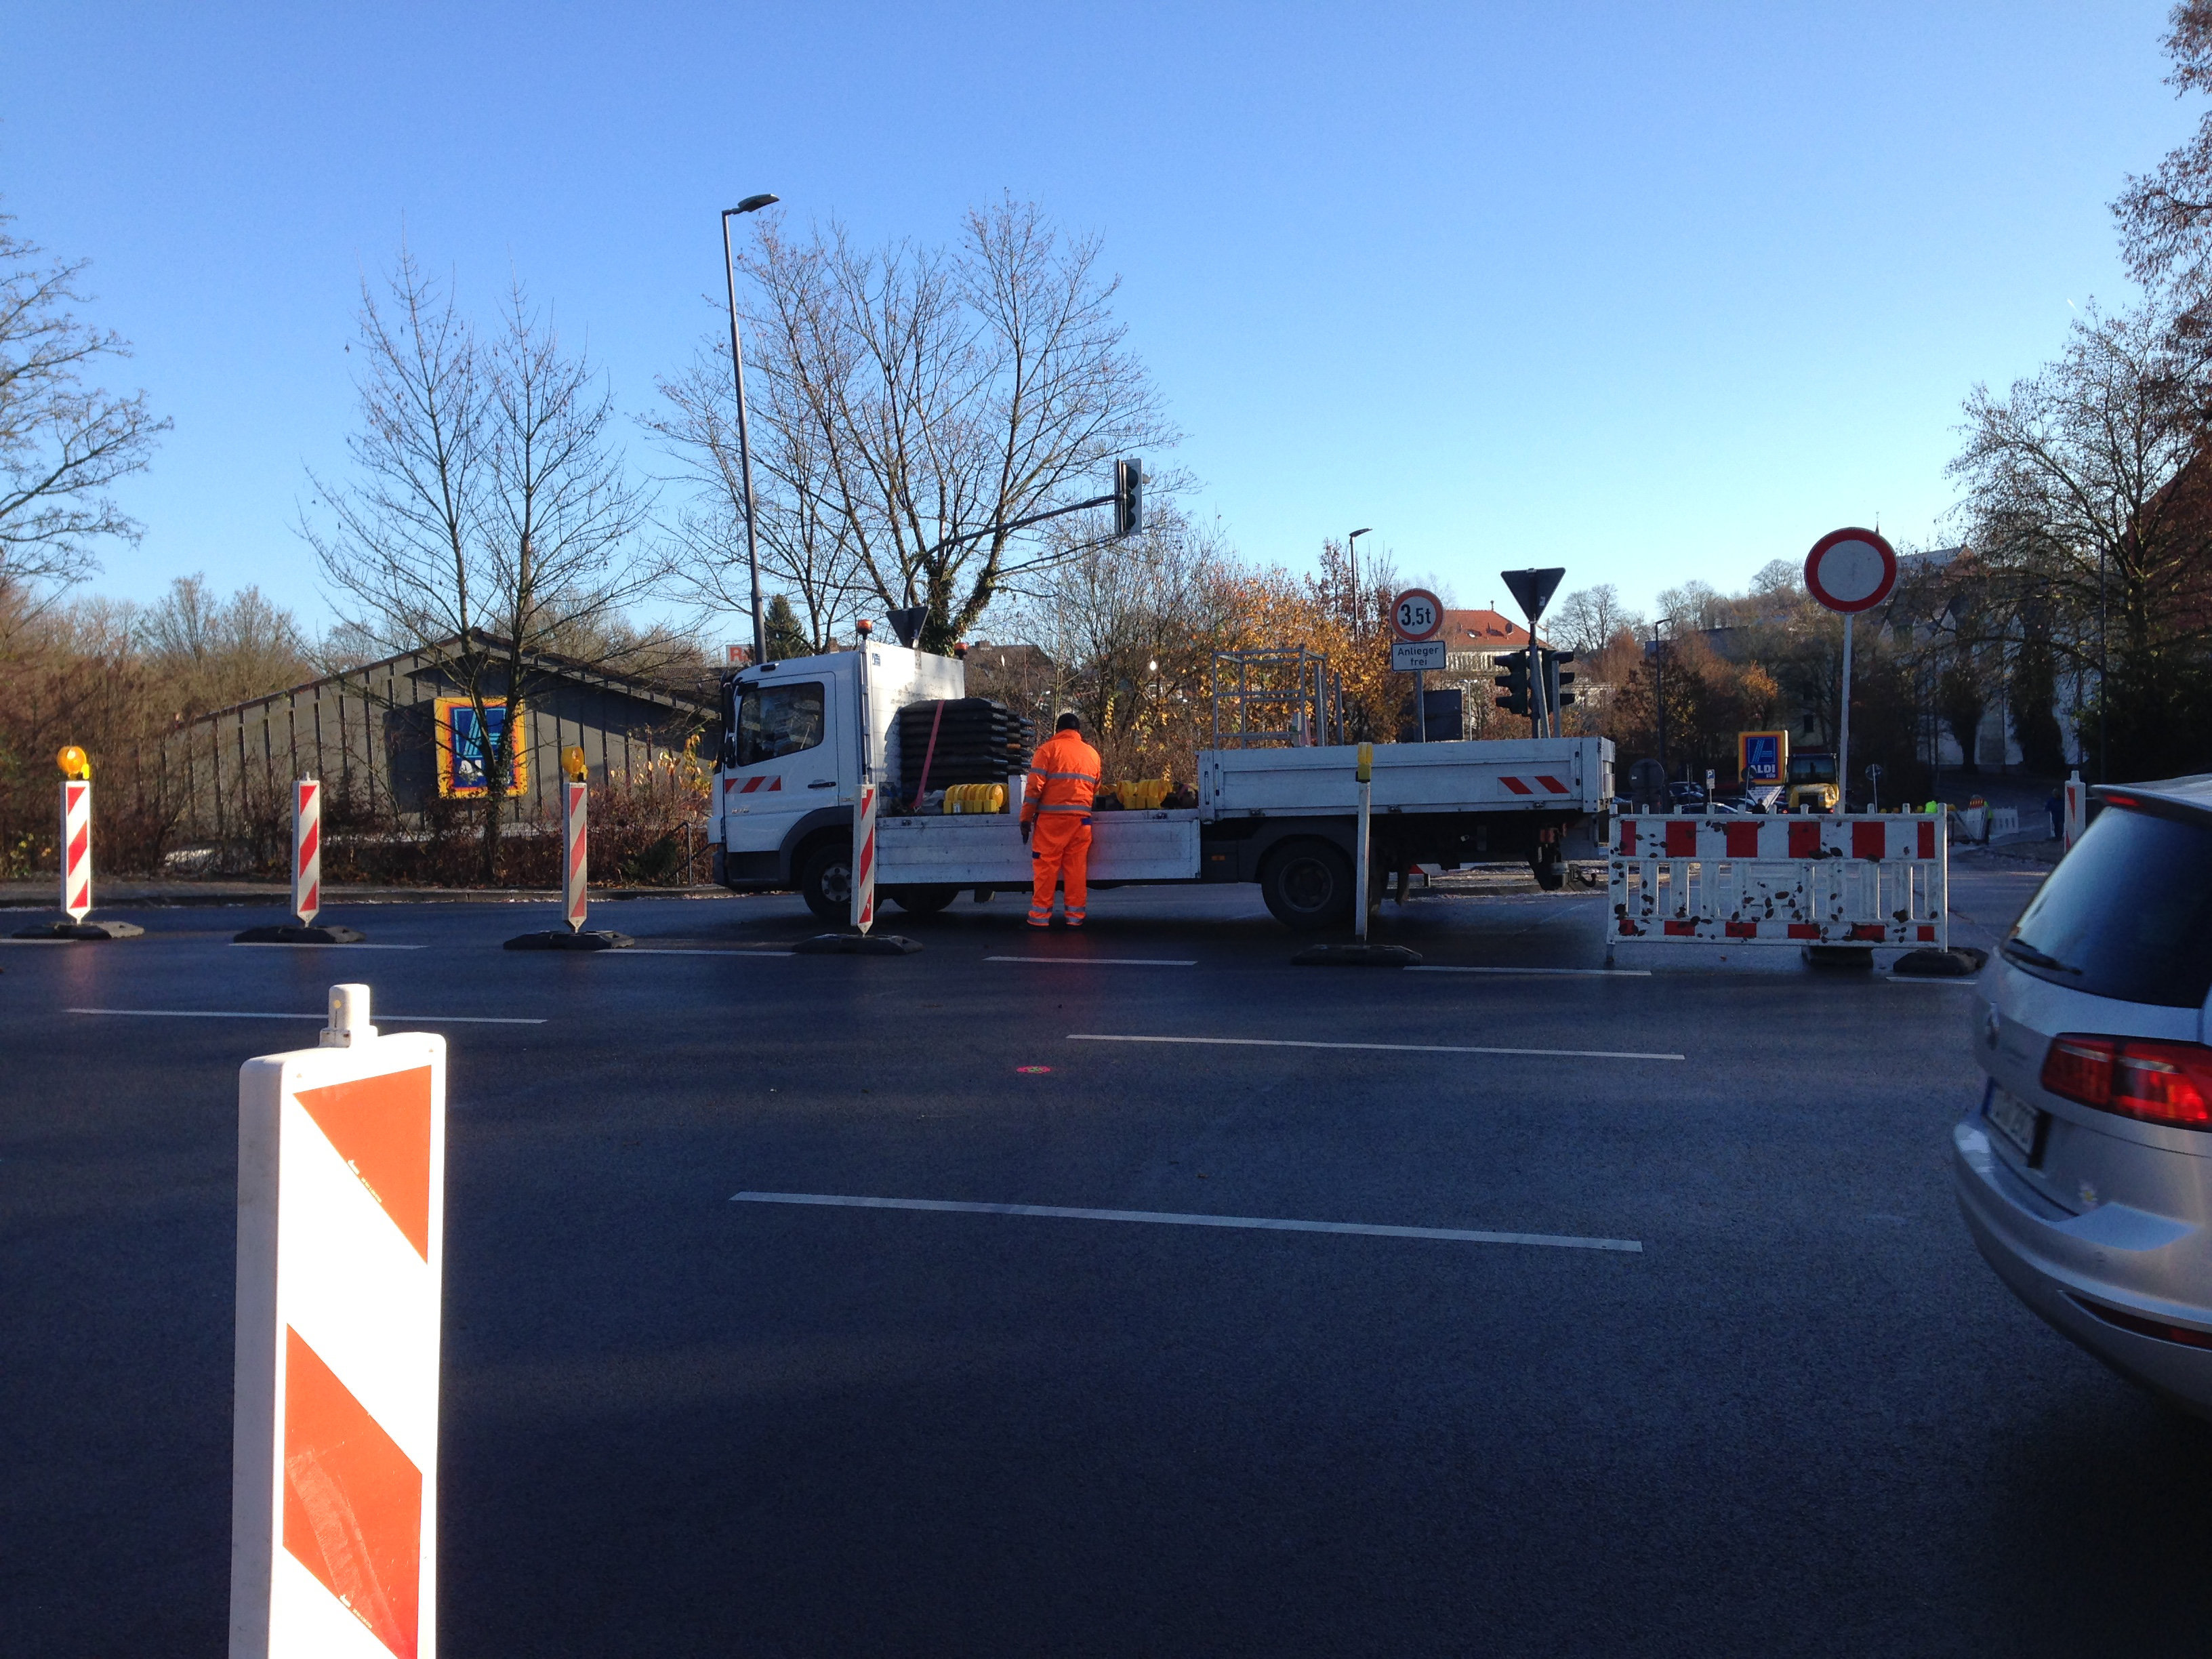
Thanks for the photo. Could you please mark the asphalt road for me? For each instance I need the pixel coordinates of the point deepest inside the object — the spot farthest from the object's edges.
(1799, 1416)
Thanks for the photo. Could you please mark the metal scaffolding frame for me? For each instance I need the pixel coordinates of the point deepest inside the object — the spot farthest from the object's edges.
(1295, 687)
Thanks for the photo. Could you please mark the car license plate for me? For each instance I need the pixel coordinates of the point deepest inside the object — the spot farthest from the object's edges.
(2015, 1119)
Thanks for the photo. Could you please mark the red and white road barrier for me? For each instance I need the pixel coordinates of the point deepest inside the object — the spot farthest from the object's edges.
(307, 850)
(1871, 878)
(864, 860)
(341, 1258)
(2077, 809)
(573, 850)
(77, 848)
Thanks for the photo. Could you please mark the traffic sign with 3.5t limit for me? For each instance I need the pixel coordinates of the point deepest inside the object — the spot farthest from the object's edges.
(1417, 614)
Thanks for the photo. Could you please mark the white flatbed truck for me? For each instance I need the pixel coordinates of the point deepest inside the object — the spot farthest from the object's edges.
(802, 733)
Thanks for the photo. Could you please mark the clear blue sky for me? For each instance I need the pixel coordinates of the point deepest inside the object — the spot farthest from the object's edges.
(1650, 291)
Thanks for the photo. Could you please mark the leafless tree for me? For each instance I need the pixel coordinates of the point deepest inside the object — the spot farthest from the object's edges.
(493, 515)
(2166, 215)
(920, 404)
(2082, 496)
(1589, 618)
(63, 443)
(208, 652)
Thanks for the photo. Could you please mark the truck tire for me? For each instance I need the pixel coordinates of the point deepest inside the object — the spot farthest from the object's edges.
(1307, 884)
(924, 901)
(825, 880)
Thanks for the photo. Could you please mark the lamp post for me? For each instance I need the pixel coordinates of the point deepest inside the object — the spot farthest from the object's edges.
(750, 204)
(1351, 562)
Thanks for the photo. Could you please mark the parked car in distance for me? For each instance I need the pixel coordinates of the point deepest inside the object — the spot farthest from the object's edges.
(2085, 1169)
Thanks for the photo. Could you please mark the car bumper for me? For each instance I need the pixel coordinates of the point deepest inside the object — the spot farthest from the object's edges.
(2089, 1275)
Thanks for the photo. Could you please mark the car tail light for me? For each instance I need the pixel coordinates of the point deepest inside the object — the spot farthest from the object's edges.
(2157, 1082)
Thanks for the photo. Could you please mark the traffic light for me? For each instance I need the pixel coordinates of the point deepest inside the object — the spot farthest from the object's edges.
(1556, 681)
(1128, 497)
(1514, 681)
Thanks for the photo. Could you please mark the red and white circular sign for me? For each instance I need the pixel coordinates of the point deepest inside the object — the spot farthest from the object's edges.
(1851, 569)
(1416, 614)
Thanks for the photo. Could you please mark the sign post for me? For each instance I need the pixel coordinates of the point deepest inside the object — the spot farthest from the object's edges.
(1359, 953)
(1416, 617)
(1849, 571)
(1532, 591)
(341, 1267)
(306, 879)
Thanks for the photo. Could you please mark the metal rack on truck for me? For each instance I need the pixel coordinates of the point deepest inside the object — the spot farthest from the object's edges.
(804, 733)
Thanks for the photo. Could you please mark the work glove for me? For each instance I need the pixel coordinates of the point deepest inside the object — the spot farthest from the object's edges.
(1026, 826)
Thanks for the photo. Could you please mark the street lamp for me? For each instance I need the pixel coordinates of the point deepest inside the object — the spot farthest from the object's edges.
(750, 204)
(1352, 558)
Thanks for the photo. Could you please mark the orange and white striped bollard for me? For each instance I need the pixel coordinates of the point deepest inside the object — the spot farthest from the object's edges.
(341, 1264)
(76, 860)
(307, 850)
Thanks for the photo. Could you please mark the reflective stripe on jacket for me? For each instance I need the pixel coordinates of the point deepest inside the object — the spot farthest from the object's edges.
(1064, 776)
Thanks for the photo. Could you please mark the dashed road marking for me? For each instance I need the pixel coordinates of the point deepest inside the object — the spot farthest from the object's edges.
(1171, 1218)
(1388, 1047)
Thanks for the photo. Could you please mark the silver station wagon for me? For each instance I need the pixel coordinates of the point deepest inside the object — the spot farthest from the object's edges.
(2085, 1169)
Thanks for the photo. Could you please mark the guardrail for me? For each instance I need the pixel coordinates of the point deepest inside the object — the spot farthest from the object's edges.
(1865, 879)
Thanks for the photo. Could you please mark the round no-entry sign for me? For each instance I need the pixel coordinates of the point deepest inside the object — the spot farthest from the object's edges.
(1851, 569)
(1416, 614)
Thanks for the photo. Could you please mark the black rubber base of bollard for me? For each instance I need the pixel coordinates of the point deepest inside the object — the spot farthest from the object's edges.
(857, 944)
(1960, 962)
(293, 934)
(1357, 955)
(84, 930)
(1847, 958)
(562, 939)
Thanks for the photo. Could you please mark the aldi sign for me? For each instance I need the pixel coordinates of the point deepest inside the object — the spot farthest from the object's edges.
(1761, 757)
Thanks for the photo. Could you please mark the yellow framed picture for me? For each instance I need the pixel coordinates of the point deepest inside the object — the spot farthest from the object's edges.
(464, 753)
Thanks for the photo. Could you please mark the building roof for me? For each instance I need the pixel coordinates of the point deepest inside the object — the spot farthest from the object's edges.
(430, 658)
(1482, 631)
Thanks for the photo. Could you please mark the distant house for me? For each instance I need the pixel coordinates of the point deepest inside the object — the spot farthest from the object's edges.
(391, 739)
(1474, 640)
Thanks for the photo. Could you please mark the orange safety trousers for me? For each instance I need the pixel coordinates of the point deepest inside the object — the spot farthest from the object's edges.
(1059, 849)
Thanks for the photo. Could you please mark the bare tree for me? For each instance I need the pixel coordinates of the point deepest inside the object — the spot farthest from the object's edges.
(494, 517)
(210, 651)
(62, 443)
(2166, 215)
(922, 404)
(1589, 618)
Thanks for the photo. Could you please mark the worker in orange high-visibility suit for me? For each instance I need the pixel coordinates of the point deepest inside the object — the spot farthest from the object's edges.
(1056, 805)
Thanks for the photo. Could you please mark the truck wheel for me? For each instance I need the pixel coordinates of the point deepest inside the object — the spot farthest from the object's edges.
(1307, 884)
(825, 881)
(921, 901)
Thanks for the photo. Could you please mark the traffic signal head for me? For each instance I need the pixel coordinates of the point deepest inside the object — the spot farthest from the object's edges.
(1128, 497)
(1513, 680)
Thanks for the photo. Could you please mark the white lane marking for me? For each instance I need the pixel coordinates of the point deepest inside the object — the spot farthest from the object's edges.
(1391, 1047)
(1109, 962)
(665, 950)
(1599, 973)
(302, 944)
(1171, 1218)
(1969, 983)
(383, 1019)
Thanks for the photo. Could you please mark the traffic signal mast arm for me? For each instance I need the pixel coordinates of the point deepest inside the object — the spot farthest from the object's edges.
(1127, 501)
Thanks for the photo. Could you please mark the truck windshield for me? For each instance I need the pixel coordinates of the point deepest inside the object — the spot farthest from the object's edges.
(1812, 769)
(2127, 914)
(775, 721)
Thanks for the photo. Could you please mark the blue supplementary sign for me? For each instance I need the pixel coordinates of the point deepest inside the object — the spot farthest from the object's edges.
(1761, 755)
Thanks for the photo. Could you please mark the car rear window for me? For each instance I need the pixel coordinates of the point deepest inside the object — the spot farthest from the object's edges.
(2127, 913)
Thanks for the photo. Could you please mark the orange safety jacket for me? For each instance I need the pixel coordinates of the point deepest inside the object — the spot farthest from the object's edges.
(1064, 775)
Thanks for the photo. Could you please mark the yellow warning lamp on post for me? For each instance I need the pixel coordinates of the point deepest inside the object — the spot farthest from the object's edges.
(74, 763)
(572, 763)
(1366, 762)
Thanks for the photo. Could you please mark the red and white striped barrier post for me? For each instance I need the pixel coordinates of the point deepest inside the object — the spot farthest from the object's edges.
(76, 860)
(864, 860)
(2076, 815)
(341, 1260)
(574, 851)
(307, 850)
